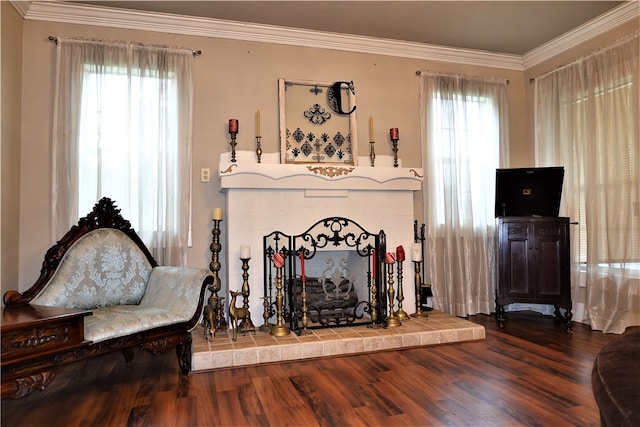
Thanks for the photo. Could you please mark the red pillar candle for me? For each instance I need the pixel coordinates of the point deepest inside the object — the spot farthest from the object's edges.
(390, 258)
(278, 260)
(302, 276)
(400, 253)
(393, 132)
(233, 125)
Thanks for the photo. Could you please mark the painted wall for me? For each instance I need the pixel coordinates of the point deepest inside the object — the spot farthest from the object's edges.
(234, 79)
(11, 60)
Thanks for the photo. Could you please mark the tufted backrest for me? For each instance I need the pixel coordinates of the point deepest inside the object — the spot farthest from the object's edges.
(103, 268)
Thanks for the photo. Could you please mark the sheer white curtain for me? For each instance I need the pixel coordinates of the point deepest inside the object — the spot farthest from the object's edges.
(586, 119)
(464, 137)
(122, 129)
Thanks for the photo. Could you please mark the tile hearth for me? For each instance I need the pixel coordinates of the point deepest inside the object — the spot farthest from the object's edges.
(250, 349)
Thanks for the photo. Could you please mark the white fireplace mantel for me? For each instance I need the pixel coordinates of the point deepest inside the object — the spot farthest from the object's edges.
(271, 196)
(246, 172)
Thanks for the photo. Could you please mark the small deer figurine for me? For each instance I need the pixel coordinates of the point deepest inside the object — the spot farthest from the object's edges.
(209, 321)
(238, 313)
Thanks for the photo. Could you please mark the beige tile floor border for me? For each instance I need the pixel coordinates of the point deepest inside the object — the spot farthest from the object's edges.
(251, 349)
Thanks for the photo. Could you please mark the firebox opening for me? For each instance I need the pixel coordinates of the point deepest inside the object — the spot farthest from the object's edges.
(337, 289)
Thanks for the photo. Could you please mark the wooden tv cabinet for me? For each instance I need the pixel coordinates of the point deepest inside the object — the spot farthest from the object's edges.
(533, 264)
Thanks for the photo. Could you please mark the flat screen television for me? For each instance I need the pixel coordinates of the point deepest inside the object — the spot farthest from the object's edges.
(529, 191)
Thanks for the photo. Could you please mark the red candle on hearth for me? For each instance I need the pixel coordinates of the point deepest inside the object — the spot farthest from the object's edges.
(373, 264)
(278, 260)
(400, 254)
(393, 132)
(302, 276)
(233, 125)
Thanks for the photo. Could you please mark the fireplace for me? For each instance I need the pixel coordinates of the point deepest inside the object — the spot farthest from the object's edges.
(329, 275)
(268, 196)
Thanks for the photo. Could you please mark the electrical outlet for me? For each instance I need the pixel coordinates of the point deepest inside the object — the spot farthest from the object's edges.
(205, 175)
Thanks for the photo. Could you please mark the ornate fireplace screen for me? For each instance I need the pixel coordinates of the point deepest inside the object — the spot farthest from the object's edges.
(339, 257)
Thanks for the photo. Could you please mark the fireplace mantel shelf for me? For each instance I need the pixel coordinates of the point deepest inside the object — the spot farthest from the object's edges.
(246, 172)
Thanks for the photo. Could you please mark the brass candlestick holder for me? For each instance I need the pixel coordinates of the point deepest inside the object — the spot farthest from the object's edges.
(418, 268)
(258, 149)
(280, 329)
(215, 248)
(400, 313)
(392, 319)
(305, 310)
(418, 284)
(374, 302)
(395, 152)
(213, 311)
(374, 293)
(372, 153)
(246, 324)
(268, 310)
(266, 303)
(233, 144)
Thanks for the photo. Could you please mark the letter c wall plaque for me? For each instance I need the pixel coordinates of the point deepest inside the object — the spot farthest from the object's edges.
(334, 95)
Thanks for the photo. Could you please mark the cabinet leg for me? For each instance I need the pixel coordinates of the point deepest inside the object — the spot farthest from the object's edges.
(566, 318)
(557, 313)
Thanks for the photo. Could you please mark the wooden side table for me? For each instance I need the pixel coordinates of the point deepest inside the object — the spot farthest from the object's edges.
(32, 339)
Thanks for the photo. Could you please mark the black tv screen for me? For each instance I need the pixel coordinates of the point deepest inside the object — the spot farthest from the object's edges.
(529, 191)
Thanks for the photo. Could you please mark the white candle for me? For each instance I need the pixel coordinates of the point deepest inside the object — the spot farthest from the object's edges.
(416, 252)
(217, 213)
(245, 252)
(371, 129)
(258, 123)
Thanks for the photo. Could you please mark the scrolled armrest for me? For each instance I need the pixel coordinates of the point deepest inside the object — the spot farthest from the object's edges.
(177, 289)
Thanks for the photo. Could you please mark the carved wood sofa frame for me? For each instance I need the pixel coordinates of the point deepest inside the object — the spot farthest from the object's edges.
(36, 368)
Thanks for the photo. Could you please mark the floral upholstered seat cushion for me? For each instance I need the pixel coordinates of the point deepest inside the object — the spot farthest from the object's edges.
(103, 268)
(122, 320)
(172, 296)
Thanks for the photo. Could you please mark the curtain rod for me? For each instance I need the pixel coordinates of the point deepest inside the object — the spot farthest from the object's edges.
(612, 45)
(194, 52)
(419, 73)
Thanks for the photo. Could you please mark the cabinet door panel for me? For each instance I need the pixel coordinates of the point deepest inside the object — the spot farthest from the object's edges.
(550, 246)
(518, 262)
(550, 280)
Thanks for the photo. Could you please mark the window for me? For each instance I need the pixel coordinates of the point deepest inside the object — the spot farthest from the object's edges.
(122, 129)
(463, 123)
(468, 135)
(120, 149)
(586, 118)
(617, 170)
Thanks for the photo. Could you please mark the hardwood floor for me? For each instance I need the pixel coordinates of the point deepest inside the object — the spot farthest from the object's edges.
(530, 373)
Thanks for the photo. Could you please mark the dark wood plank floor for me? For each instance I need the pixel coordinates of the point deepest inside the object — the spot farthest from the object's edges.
(531, 373)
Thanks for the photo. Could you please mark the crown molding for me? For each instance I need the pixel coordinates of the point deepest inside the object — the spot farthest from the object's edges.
(601, 24)
(70, 13)
(20, 6)
(233, 30)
